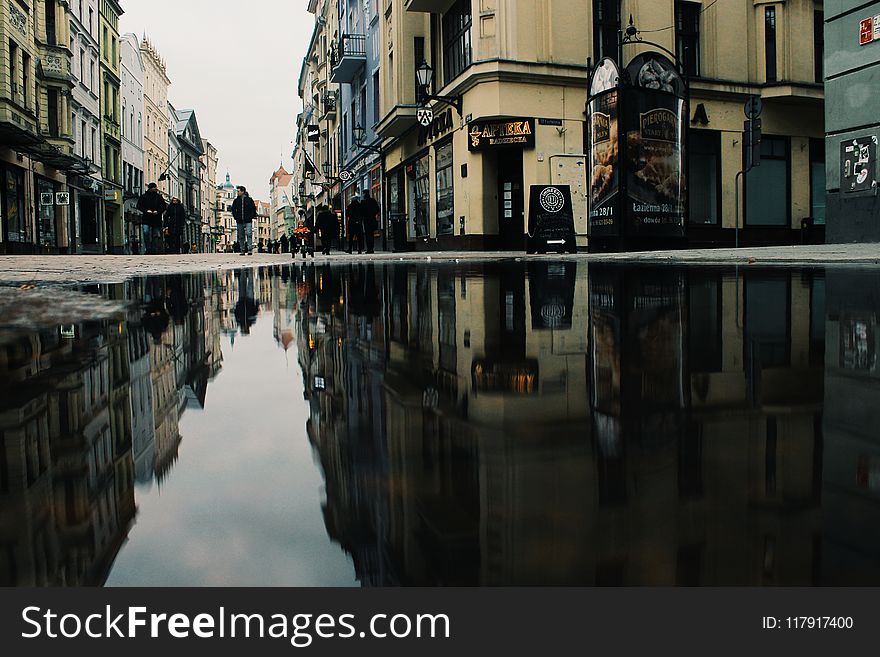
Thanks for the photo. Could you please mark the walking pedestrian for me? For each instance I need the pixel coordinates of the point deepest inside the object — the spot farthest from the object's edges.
(285, 243)
(355, 225)
(243, 211)
(328, 227)
(370, 211)
(152, 206)
(175, 222)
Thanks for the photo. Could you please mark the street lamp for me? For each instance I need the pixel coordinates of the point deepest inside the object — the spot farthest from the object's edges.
(359, 133)
(425, 78)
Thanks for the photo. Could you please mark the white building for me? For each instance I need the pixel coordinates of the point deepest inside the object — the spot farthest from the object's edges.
(173, 183)
(86, 196)
(132, 119)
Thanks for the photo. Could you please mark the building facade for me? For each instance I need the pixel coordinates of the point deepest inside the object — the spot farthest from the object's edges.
(189, 140)
(513, 78)
(86, 196)
(132, 88)
(111, 127)
(208, 169)
(852, 46)
(156, 83)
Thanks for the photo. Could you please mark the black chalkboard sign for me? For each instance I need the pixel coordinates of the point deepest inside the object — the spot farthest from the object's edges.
(551, 220)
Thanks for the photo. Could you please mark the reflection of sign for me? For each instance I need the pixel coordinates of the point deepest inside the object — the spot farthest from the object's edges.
(499, 134)
(320, 384)
(425, 116)
(551, 219)
(515, 378)
(858, 162)
(857, 343)
(551, 286)
(47, 198)
(313, 133)
(62, 198)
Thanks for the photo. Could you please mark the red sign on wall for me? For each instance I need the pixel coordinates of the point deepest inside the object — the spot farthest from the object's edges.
(866, 31)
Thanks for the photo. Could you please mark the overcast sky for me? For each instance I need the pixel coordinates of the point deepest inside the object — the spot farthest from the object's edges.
(237, 65)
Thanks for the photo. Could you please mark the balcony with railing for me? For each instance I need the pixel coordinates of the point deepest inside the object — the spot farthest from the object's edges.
(348, 57)
(328, 104)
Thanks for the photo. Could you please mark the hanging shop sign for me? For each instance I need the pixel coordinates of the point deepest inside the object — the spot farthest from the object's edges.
(551, 220)
(858, 164)
(313, 133)
(491, 134)
(637, 150)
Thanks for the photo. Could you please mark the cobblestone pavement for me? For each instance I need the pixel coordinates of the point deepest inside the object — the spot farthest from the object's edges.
(61, 269)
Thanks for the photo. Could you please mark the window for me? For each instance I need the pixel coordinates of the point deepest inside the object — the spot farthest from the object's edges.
(819, 44)
(456, 40)
(606, 26)
(52, 100)
(51, 28)
(766, 322)
(418, 58)
(376, 105)
(817, 181)
(92, 75)
(13, 67)
(82, 136)
(705, 177)
(705, 324)
(770, 42)
(82, 65)
(445, 203)
(105, 42)
(93, 142)
(420, 194)
(687, 36)
(26, 79)
(767, 188)
(91, 20)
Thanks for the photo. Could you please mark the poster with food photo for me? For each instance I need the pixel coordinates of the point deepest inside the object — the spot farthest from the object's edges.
(604, 161)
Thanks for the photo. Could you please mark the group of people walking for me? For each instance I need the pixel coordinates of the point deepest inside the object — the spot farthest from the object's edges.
(162, 224)
(321, 223)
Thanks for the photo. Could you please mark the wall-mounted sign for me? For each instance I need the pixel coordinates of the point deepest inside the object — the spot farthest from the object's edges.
(556, 122)
(503, 133)
(869, 30)
(112, 195)
(436, 127)
(47, 198)
(313, 133)
(425, 115)
(62, 198)
(858, 164)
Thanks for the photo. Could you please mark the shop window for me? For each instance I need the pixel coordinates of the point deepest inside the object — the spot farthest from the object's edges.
(687, 36)
(420, 195)
(817, 181)
(606, 28)
(770, 43)
(14, 229)
(705, 177)
(456, 40)
(767, 186)
(445, 202)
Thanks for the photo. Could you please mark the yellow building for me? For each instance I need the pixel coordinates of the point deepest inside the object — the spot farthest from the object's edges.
(156, 85)
(36, 132)
(519, 71)
(110, 11)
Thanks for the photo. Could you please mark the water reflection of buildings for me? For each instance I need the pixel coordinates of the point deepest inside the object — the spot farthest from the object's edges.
(87, 409)
(531, 424)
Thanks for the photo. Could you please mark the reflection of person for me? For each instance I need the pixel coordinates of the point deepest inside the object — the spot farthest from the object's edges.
(370, 210)
(247, 308)
(152, 206)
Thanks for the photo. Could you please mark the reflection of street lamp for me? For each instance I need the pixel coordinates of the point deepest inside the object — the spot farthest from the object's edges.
(425, 78)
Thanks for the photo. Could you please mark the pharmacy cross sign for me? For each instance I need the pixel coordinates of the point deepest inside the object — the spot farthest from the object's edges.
(425, 116)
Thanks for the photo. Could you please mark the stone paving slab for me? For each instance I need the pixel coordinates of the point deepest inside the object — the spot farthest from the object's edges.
(107, 268)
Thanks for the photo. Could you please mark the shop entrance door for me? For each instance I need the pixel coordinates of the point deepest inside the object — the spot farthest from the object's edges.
(511, 203)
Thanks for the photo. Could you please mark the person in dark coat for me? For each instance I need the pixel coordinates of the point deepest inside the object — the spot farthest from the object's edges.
(355, 225)
(370, 211)
(244, 210)
(285, 243)
(328, 228)
(152, 206)
(175, 222)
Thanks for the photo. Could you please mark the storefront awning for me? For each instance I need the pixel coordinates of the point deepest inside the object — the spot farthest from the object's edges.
(50, 155)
